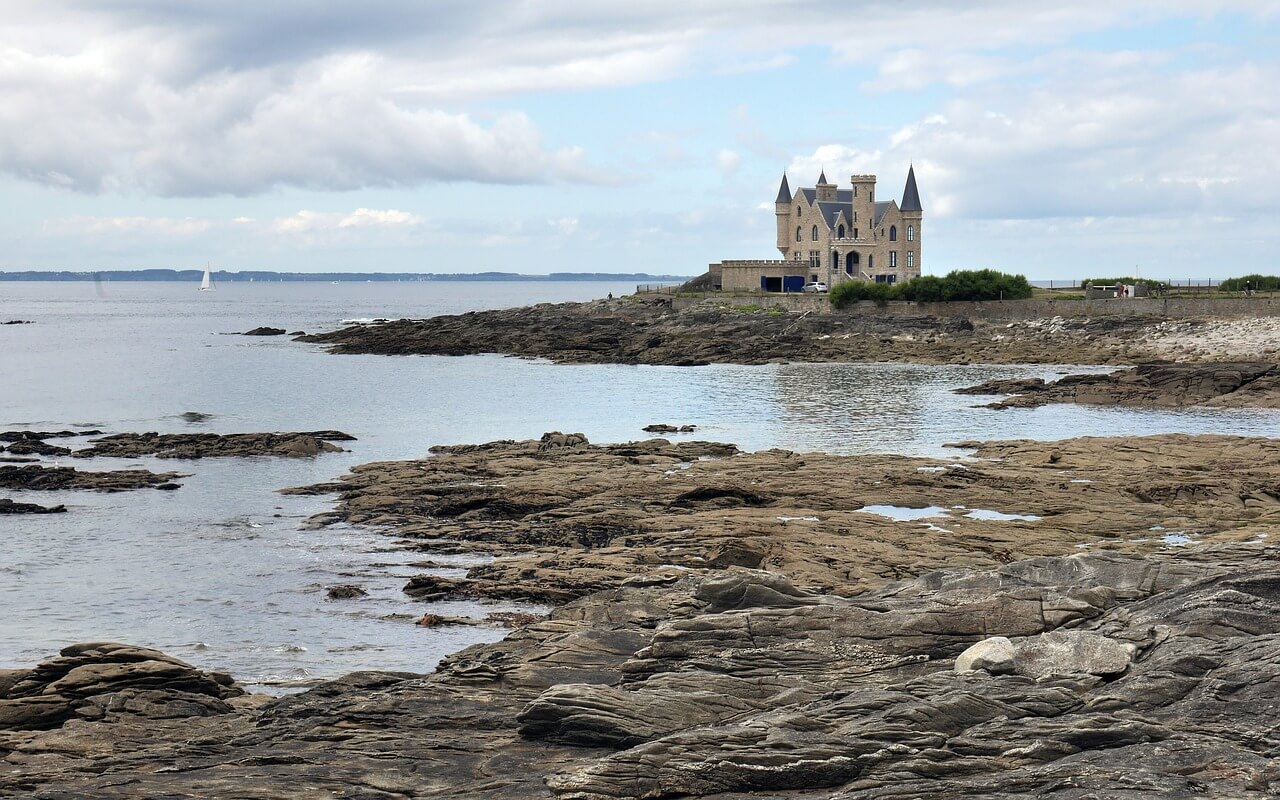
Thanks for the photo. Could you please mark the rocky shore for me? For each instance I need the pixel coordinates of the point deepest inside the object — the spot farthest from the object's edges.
(1164, 385)
(568, 518)
(1085, 618)
(1092, 675)
(638, 330)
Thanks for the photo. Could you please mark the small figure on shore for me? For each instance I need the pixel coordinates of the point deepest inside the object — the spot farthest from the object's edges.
(610, 295)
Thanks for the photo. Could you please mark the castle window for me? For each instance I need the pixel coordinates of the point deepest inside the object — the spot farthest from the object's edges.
(911, 233)
(855, 233)
(840, 232)
(855, 190)
(815, 233)
(799, 236)
(893, 233)
(911, 259)
(797, 211)
(893, 258)
(871, 262)
(835, 260)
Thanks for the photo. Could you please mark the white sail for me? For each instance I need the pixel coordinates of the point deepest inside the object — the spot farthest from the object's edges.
(206, 283)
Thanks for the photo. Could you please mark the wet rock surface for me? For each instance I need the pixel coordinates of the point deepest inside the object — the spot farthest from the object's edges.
(265, 331)
(211, 445)
(37, 477)
(648, 331)
(1161, 385)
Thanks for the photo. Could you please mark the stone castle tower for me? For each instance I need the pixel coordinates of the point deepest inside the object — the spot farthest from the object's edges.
(846, 234)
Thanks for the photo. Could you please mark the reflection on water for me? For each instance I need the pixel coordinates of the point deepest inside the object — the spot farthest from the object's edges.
(218, 572)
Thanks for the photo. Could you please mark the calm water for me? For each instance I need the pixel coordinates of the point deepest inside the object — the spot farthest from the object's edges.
(219, 572)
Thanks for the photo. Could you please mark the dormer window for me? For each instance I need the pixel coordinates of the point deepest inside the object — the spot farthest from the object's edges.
(893, 233)
(840, 232)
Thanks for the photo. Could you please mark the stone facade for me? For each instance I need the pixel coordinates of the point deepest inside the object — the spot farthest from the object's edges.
(831, 235)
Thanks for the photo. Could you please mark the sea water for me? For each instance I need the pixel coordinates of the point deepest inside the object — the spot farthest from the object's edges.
(221, 572)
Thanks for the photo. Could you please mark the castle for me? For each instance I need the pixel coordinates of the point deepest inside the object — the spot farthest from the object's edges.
(829, 234)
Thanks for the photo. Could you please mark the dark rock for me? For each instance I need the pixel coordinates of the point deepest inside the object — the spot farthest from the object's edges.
(1159, 385)
(345, 592)
(17, 322)
(10, 507)
(1006, 386)
(41, 478)
(264, 331)
(100, 679)
(650, 331)
(195, 416)
(207, 445)
(664, 428)
(30, 447)
(36, 436)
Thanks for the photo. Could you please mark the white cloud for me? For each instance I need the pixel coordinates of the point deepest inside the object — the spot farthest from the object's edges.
(167, 227)
(728, 161)
(185, 97)
(567, 226)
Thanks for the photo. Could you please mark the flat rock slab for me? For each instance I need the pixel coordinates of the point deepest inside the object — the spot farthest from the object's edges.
(1163, 385)
(37, 477)
(569, 518)
(209, 445)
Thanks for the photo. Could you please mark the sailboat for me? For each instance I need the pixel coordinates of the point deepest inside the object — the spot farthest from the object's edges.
(206, 283)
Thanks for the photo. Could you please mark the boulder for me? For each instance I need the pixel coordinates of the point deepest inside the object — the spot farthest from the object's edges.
(1072, 652)
(265, 331)
(994, 655)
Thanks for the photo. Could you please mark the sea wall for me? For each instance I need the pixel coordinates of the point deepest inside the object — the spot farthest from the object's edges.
(1174, 307)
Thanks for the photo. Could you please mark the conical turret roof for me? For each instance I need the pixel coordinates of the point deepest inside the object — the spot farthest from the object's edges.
(822, 178)
(784, 191)
(911, 195)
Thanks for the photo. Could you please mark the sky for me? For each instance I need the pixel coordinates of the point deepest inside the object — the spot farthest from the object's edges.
(1058, 140)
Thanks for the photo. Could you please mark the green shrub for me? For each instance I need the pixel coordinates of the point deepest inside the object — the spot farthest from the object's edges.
(958, 285)
(848, 292)
(1128, 281)
(1258, 283)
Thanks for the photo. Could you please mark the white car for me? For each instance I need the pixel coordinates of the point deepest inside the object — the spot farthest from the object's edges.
(815, 288)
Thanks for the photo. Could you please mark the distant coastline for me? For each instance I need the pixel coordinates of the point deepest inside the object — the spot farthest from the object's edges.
(267, 276)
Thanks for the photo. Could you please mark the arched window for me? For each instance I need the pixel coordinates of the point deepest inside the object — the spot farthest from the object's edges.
(911, 233)
(840, 232)
(911, 259)
(871, 262)
(815, 233)
(799, 236)
(797, 211)
(893, 233)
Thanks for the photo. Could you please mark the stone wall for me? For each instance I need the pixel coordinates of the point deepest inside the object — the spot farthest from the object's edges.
(1177, 307)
